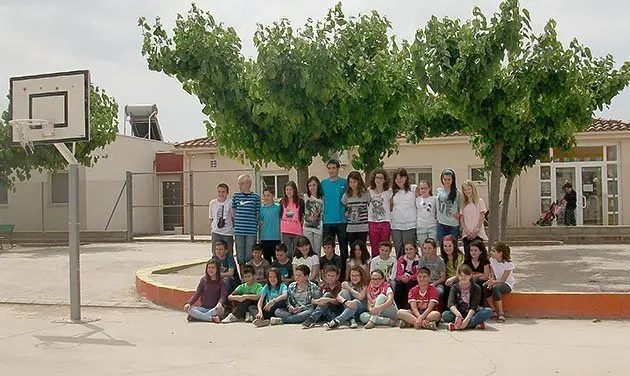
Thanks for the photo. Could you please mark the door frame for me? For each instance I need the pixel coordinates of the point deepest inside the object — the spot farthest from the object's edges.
(579, 213)
(165, 179)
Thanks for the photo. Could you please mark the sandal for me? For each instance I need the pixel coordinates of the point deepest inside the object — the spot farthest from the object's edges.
(501, 317)
(494, 316)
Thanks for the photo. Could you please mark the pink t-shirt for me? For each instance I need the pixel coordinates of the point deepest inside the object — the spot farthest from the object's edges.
(472, 213)
(290, 222)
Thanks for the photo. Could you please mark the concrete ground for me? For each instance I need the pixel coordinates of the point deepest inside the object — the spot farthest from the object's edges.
(133, 337)
(160, 342)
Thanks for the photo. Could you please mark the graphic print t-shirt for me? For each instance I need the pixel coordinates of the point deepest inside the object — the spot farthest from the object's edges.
(222, 218)
(313, 214)
(379, 209)
(357, 209)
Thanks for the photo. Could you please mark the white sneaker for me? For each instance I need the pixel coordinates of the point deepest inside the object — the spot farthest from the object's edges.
(353, 324)
(276, 321)
(230, 318)
(249, 317)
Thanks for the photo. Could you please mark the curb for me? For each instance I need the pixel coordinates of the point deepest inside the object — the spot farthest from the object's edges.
(551, 304)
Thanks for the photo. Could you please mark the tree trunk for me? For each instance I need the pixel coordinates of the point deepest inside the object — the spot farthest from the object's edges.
(302, 177)
(505, 206)
(495, 190)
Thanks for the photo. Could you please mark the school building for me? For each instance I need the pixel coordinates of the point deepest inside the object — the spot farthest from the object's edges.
(173, 184)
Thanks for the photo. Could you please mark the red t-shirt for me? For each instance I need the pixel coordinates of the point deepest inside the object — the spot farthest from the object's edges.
(422, 300)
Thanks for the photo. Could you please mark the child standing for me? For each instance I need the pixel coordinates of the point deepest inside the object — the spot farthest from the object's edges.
(426, 209)
(269, 224)
(477, 260)
(359, 256)
(406, 270)
(448, 199)
(314, 213)
(227, 266)
(385, 261)
(473, 215)
(351, 298)
(329, 257)
(379, 212)
(300, 295)
(283, 264)
(435, 264)
(502, 279)
(212, 292)
(246, 207)
(272, 296)
(423, 300)
(463, 304)
(260, 265)
(304, 255)
(292, 214)
(356, 200)
(327, 305)
(222, 219)
(381, 308)
(245, 297)
(403, 211)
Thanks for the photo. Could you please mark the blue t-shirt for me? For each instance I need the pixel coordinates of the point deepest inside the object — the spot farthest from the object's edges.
(271, 293)
(226, 263)
(334, 211)
(246, 207)
(270, 217)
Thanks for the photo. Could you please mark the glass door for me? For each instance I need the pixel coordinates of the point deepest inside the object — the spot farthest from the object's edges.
(590, 196)
(172, 205)
(565, 175)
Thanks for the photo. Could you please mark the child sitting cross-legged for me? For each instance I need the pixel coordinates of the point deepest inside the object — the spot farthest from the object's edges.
(327, 305)
(423, 300)
(244, 297)
(381, 308)
(272, 296)
(463, 303)
(300, 295)
(212, 292)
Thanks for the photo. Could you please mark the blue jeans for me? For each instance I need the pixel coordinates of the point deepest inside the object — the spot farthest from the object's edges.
(328, 311)
(349, 313)
(482, 315)
(203, 314)
(293, 318)
(443, 230)
(244, 244)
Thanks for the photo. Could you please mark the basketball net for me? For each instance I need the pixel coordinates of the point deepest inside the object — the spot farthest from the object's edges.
(23, 127)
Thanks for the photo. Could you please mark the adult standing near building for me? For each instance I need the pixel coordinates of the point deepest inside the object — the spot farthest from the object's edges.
(334, 212)
(246, 206)
(570, 204)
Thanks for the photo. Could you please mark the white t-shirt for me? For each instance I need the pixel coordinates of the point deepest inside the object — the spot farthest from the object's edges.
(310, 261)
(426, 212)
(379, 209)
(387, 266)
(500, 267)
(404, 211)
(472, 213)
(222, 217)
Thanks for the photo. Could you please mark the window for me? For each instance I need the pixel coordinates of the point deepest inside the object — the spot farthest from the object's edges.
(59, 188)
(275, 182)
(214, 163)
(4, 195)
(416, 175)
(478, 175)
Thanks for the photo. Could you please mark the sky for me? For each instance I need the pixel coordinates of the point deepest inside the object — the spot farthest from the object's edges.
(42, 36)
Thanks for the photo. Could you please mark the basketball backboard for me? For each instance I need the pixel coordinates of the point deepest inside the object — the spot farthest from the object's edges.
(62, 99)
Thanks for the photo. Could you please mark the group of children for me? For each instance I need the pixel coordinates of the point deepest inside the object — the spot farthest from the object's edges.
(281, 278)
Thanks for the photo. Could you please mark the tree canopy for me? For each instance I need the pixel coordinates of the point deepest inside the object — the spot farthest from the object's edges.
(17, 164)
(334, 84)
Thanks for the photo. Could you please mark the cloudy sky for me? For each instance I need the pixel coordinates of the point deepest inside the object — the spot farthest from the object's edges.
(47, 36)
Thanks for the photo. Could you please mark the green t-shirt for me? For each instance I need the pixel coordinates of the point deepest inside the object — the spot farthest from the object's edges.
(451, 270)
(243, 289)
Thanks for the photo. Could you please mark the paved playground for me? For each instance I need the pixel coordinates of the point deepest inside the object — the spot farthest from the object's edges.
(133, 337)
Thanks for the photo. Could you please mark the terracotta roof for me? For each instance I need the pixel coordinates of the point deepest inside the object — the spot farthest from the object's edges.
(608, 125)
(598, 125)
(203, 142)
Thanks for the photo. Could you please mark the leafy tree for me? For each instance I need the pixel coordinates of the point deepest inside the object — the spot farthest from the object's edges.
(515, 93)
(333, 85)
(16, 164)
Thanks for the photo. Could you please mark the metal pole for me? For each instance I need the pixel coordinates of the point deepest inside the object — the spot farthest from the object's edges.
(73, 237)
(129, 185)
(191, 203)
(43, 189)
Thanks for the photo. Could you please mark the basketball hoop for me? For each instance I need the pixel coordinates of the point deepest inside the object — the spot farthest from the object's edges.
(23, 127)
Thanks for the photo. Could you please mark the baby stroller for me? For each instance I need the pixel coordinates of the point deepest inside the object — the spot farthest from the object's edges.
(546, 218)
